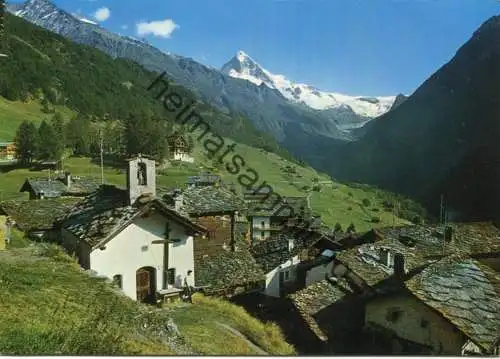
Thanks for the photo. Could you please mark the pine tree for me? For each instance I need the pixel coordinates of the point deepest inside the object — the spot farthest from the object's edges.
(146, 136)
(26, 141)
(57, 123)
(50, 147)
(78, 131)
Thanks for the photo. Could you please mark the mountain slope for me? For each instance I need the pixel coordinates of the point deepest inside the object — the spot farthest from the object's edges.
(45, 66)
(244, 67)
(267, 108)
(443, 138)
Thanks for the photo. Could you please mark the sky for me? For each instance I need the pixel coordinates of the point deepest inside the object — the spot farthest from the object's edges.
(355, 47)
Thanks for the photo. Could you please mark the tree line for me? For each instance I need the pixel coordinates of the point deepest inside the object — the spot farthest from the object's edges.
(84, 135)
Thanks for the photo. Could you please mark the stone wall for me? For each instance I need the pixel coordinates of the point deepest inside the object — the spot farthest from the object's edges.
(219, 236)
(410, 319)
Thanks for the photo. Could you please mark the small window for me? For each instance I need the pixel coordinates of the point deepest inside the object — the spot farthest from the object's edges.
(263, 224)
(262, 234)
(287, 275)
(171, 276)
(118, 280)
(424, 323)
(144, 248)
(393, 315)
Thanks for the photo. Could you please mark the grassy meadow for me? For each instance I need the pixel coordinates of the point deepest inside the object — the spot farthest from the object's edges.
(50, 306)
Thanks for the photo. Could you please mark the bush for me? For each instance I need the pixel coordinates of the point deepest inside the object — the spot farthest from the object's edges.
(375, 220)
(351, 228)
(349, 194)
(366, 202)
(375, 209)
(337, 228)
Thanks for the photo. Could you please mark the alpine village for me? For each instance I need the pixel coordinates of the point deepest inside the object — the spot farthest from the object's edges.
(124, 231)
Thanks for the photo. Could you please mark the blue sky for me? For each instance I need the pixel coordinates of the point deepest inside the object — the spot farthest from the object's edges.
(356, 47)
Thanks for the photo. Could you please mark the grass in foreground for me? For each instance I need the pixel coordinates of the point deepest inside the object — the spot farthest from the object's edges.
(49, 306)
(211, 338)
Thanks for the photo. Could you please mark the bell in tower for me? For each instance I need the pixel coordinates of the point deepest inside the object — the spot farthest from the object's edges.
(141, 178)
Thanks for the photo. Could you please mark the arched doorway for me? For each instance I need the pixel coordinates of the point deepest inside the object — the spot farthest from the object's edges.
(146, 284)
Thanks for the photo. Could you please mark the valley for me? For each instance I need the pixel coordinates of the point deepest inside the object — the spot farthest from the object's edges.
(265, 217)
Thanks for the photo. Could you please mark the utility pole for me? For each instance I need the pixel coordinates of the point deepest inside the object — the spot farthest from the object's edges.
(101, 145)
(444, 224)
(441, 206)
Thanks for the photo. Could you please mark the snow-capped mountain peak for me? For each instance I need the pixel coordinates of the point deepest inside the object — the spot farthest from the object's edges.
(244, 67)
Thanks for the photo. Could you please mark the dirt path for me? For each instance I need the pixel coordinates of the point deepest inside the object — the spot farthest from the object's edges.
(239, 334)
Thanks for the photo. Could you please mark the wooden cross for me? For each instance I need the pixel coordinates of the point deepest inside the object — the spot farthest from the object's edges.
(165, 243)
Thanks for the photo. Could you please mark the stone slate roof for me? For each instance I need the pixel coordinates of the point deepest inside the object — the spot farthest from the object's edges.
(203, 178)
(50, 188)
(420, 246)
(99, 215)
(83, 185)
(317, 296)
(37, 214)
(228, 270)
(265, 208)
(274, 251)
(466, 293)
(56, 188)
(200, 201)
(105, 212)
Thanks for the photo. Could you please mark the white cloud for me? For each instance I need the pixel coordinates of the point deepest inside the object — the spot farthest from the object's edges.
(102, 14)
(161, 28)
(124, 27)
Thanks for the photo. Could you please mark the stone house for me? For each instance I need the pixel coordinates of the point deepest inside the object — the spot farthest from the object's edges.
(280, 256)
(36, 218)
(62, 186)
(265, 219)
(381, 267)
(214, 208)
(178, 146)
(132, 237)
(451, 308)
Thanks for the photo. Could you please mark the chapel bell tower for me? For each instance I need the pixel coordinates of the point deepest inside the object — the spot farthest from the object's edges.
(141, 177)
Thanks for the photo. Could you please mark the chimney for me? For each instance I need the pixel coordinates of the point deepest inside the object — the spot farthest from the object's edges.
(386, 257)
(448, 234)
(67, 179)
(179, 201)
(399, 266)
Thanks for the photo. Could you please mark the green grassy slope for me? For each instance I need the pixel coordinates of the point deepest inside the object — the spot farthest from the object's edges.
(335, 202)
(12, 113)
(49, 306)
